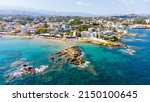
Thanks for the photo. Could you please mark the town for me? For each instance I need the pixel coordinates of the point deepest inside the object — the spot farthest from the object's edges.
(106, 31)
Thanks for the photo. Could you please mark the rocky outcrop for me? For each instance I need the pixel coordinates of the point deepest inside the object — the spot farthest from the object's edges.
(107, 44)
(26, 70)
(69, 55)
(131, 34)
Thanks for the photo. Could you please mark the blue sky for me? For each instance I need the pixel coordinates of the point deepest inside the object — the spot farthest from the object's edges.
(100, 7)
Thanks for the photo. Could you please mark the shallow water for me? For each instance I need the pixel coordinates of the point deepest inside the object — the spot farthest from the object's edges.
(107, 66)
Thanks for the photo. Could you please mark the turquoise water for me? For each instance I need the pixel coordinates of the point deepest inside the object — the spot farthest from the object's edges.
(107, 66)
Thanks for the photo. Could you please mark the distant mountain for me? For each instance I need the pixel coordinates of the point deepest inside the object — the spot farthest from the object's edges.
(17, 12)
(127, 16)
(7, 10)
(34, 12)
(133, 16)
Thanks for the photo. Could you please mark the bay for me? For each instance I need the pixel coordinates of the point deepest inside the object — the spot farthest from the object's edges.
(107, 66)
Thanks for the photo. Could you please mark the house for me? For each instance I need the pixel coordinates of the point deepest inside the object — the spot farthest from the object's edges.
(91, 29)
(93, 35)
(32, 31)
(108, 33)
(64, 26)
(47, 35)
(24, 29)
(54, 26)
(85, 34)
(101, 29)
(70, 38)
(3, 33)
(147, 21)
(15, 31)
(1, 29)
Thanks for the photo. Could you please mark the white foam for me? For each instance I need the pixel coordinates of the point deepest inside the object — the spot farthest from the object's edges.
(86, 64)
(41, 69)
(21, 72)
(134, 40)
(128, 51)
(129, 40)
(17, 63)
(143, 40)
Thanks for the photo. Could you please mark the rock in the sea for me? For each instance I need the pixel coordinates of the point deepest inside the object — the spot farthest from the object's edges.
(52, 59)
(78, 61)
(41, 69)
(24, 65)
(25, 71)
(70, 55)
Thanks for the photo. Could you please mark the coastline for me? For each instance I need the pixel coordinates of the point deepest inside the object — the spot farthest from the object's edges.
(72, 42)
(42, 39)
(97, 56)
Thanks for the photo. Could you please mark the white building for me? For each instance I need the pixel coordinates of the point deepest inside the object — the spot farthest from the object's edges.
(147, 21)
(24, 29)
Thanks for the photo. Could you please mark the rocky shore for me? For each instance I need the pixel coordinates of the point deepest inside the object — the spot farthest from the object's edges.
(26, 70)
(69, 55)
(140, 26)
(134, 34)
(107, 44)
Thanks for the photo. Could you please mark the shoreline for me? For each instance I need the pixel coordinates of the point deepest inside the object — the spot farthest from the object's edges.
(43, 39)
(140, 26)
(72, 42)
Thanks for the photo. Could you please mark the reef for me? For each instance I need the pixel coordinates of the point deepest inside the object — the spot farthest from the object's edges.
(26, 70)
(107, 44)
(69, 55)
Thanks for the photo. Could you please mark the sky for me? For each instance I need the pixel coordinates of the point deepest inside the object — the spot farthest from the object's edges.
(98, 7)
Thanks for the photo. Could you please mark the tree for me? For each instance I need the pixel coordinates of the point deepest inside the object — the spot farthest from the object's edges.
(139, 21)
(83, 28)
(97, 36)
(114, 29)
(113, 38)
(102, 37)
(42, 30)
(69, 33)
(75, 22)
(78, 34)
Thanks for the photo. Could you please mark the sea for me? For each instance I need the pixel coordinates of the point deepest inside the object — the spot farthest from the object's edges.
(104, 66)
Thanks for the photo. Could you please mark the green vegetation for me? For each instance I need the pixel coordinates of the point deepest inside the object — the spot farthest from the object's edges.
(139, 21)
(42, 30)
(113, 38)
(69, 33)
(75, 22)
(99, 26)
(113, 29)
(83, 28)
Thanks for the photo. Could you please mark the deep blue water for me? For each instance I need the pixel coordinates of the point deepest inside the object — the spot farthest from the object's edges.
(107, 66)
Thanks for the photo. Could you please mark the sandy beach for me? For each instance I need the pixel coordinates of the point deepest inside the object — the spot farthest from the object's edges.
(63, 41)
(69, 42)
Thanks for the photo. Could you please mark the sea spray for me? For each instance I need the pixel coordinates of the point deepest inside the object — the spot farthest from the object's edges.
(23, 68)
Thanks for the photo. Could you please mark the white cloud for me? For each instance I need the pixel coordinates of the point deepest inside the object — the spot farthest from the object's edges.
(82, 3)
